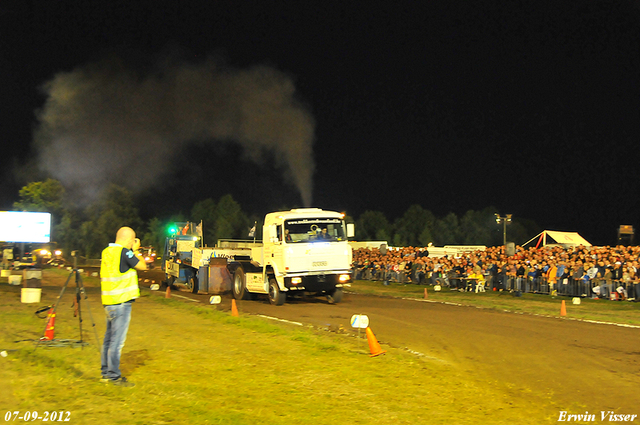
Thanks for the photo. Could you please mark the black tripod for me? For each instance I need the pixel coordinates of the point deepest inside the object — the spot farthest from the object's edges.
(80, 292)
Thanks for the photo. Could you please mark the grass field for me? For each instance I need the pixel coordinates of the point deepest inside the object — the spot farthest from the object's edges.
(193, 364)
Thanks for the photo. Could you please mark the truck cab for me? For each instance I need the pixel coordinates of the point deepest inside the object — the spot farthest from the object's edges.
(305, 250)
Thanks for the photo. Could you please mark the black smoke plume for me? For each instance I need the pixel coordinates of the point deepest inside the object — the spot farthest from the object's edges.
(108, 122)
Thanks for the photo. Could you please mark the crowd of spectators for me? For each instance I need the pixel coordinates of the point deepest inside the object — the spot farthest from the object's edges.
(604, 272)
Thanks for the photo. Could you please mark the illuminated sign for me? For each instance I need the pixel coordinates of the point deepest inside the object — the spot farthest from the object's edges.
(18, 226)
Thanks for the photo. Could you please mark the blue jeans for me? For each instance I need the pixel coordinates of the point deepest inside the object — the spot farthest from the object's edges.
(118, 319)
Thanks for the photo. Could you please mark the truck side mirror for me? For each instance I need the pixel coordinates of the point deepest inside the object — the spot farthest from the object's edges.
(351, 230)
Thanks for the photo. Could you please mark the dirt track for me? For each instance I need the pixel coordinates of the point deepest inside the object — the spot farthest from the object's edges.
(573, 363)
(577, 365)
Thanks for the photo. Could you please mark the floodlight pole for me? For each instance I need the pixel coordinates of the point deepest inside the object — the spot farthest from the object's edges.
(504, 220)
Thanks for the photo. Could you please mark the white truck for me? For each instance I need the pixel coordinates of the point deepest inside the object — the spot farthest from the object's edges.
(303, 251)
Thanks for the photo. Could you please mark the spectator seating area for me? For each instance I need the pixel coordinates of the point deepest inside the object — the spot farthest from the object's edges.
(595, 272)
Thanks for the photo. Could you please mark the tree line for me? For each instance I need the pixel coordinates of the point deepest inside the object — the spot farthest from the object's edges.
(89, 230)
(92, 228)
(419, 227)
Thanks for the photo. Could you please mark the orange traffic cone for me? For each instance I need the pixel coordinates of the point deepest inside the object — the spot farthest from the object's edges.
(49, 329)
(234, 308)
(168, 293)
(563, 309)
(426, 294)
(374, 347)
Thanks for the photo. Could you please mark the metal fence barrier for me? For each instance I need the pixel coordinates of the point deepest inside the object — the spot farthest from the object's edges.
(569, 287)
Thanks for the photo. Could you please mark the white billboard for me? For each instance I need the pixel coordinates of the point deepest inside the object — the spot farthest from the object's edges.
(18, 226)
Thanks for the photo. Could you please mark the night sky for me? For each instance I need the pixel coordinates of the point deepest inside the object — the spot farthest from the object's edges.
(530, 107)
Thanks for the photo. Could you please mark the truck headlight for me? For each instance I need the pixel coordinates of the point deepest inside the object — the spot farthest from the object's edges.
(296, 280)
(344, 278)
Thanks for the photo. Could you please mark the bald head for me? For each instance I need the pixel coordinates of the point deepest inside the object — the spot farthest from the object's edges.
(125, 237)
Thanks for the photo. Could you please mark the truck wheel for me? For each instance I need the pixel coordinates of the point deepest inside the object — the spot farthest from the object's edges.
(335, 297)
(240, 285)
(192, 284)
(276, 297)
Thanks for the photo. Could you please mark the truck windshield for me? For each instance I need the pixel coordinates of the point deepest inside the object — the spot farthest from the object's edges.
(314, 229)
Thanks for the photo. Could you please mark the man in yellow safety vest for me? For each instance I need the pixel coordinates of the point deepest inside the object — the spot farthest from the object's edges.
(119, 284)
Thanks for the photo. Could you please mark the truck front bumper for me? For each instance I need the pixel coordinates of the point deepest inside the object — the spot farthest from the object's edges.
(318, 282)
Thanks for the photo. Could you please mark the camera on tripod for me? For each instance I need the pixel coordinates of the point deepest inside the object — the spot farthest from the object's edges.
(79, 295)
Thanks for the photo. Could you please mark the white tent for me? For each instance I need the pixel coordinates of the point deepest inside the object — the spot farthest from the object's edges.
(565, 239)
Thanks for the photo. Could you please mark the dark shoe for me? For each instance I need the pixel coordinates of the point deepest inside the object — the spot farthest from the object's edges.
(122, 382)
